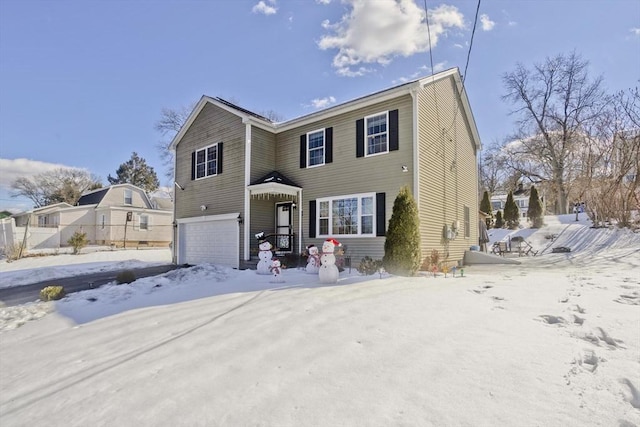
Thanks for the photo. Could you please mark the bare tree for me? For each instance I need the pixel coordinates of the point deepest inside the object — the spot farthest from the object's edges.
(554, 103)
(169, 125)
(492, 169)
(56, 186)
(612, 185)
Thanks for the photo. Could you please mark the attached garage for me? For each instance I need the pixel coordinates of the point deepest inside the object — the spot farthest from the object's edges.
(211, 239)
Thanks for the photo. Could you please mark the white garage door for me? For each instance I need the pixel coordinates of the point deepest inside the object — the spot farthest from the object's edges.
(214, 239)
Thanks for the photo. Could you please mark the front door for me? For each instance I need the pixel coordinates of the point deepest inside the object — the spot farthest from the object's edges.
(283, 226)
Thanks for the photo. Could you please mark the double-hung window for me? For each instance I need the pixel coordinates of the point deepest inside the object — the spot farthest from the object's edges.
(144, 222)
(347, 215)
(377, 133)
(315, 147)
(128, 197)
(207, 161)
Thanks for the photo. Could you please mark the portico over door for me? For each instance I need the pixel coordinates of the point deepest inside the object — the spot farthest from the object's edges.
(284, 226)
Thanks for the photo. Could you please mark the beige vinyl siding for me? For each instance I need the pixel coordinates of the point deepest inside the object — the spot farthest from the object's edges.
(263, 153)
(222, 193)
(448, 171)
(115, 197)
(80, 219)
(347, 174)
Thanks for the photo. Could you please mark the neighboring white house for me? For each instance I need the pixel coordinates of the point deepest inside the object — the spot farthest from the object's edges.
(118, 215)
(520, 197)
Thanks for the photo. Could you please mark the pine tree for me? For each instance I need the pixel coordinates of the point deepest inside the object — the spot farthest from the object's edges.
(135, 171)
(402, 255)
(535, 208)
(511, 212)
(485, 206)
(499, 222)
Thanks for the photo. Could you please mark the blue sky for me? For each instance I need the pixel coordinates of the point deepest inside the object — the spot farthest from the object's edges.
(82, 82)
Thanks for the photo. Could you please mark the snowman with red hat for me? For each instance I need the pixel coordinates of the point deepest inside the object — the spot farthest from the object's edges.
(328, 270)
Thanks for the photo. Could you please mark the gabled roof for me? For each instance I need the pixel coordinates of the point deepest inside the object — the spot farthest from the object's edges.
(274, 183)
(44, 209)
(275, 177)
(394, 92)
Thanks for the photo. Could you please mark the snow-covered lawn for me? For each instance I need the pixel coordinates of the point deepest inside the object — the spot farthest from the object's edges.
(554, 341)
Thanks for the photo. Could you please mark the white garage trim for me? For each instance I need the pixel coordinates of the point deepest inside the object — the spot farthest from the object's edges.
(210, 218)
(209, 239)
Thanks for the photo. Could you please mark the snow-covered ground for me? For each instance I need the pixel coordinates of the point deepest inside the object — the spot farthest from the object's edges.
(48, 265)
(554, 341)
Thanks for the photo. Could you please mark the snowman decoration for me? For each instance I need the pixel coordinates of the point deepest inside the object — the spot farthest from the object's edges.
(265, 255)
(275, 270)
(313, 261)
(328, 272)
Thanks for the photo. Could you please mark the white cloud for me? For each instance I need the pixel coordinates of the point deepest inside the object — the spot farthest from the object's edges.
(323, 102)
(635, 31)
(374, 32)
(439, 66)
(13, 169)
(323, 1)
(263, 7)
(487, 23)
(512, 23)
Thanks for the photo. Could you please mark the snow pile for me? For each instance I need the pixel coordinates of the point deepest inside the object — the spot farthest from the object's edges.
(552, 341)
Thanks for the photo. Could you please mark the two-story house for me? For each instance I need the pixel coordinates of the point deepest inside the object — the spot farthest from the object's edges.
(117, 215)
(333, 173)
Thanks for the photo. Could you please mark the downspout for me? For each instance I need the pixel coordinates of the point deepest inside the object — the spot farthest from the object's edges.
(416, 139)
(300, 207)
(247, 195)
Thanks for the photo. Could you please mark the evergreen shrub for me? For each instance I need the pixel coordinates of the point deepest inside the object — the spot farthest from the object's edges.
(52, 293)
(402, 244)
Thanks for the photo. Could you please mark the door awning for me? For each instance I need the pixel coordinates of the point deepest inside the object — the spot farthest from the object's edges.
(274, 183)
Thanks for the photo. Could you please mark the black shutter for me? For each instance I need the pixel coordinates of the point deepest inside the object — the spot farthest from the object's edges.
(193, 166)
(381, 222)
(219, 171)
(328, 145)
(360, 138)
(393, 130)
(312, 218)
(303, 151)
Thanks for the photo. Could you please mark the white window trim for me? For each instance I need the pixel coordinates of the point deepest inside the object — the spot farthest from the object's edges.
(206, 149)
(130, 192)
(350, 196)
(366, 134)
(324, 148)
(140, 216)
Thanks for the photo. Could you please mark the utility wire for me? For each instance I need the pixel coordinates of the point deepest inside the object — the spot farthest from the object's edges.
(464, 76)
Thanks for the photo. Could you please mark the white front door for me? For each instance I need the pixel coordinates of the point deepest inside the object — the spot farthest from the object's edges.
(283, 227)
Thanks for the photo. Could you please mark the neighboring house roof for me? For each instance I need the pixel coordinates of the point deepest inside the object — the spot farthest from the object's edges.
(162, 203)
(44, 209)
(264, 123)
(96, 196)
(93, 197)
